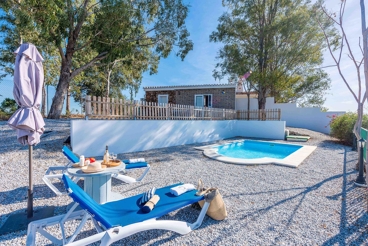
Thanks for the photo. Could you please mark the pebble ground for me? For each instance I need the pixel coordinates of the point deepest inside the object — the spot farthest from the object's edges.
(314, 204)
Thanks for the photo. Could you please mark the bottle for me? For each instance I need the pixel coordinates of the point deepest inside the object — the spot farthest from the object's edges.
(106, 157)
(81, 161)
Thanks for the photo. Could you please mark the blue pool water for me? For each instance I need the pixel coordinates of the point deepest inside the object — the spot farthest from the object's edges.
(249, 149)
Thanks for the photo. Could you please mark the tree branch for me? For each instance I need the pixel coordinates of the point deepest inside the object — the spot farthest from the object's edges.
(88, 64)
(61, 52)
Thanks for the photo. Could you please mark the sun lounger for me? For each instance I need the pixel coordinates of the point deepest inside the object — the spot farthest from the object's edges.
(118, 219)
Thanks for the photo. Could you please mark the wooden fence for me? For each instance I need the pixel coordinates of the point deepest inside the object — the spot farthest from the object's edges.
(114, 108)
(259, 114)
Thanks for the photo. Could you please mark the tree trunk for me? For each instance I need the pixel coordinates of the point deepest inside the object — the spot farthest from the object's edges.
(43, 107)
(108, 82)
(67, 109)
(262, 99)
(248, 97)
(61, 90)
(365, 56)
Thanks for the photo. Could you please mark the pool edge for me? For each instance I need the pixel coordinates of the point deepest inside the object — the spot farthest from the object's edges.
(292, 160)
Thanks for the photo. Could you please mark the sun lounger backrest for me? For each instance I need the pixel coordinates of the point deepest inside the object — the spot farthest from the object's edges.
(84, 200)
(70, 155)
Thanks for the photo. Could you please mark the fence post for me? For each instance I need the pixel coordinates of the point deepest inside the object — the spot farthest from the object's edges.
(108, 113)
(135, 110)
(88, 107)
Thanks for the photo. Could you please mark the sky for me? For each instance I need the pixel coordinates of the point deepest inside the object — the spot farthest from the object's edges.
(198, 66)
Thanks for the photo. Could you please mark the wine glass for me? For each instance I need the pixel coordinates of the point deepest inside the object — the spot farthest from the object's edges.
(111, 156)
(114, 156)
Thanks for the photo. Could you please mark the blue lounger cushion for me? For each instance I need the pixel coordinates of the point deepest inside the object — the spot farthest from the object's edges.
(128, 210)
(70, 155)
(134, 165)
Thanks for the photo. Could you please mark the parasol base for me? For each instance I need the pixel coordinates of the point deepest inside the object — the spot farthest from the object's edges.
(19, 221)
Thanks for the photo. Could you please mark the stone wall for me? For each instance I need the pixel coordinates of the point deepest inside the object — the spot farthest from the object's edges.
(151, 96)
(221, 98)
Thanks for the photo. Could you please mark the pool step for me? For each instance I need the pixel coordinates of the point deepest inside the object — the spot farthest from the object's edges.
(297, 138)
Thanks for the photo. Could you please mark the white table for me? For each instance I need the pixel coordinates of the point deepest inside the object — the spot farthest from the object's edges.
(98, 185)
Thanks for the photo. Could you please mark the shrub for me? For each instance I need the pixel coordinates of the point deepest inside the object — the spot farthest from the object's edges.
(8, 106)
(342, 127)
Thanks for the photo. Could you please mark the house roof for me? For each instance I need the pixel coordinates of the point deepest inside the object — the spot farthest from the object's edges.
(245, 93)
(187, 87)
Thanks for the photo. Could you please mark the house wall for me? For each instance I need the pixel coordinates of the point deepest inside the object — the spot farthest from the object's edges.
(123, 136)
(219, 99)
(151, 96)
(186, 97)
(309, 118)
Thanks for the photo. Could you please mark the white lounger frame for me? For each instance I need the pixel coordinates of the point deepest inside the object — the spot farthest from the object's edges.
(56, 172)
(109, 236)
(129, 180)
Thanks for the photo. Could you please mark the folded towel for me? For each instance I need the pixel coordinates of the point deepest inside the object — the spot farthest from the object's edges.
(181, 189)
(136, 160)
(147, 196)
(150, 204)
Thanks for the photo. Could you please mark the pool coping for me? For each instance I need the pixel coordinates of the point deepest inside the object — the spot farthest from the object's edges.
(292, 160)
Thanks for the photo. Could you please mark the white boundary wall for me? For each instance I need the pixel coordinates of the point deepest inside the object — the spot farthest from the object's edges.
(309, 118)
(89, 137)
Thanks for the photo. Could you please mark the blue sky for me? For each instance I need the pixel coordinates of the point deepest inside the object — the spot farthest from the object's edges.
(199, 64)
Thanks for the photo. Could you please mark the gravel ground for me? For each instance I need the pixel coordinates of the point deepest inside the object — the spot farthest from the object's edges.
(315, 204)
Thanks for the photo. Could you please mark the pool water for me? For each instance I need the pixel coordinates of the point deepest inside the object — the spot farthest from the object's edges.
(249, 149)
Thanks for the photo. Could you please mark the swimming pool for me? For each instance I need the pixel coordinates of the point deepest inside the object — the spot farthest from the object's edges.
(259, 152)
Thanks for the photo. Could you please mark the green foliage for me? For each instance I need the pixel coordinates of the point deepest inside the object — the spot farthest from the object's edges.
(280, 42)
(8, 106)
(342, 126)
(88, 36)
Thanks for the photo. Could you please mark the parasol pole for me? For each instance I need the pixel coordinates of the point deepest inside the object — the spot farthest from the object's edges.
(30, 186)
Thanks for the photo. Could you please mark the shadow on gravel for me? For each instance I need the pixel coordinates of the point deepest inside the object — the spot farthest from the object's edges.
(40, 191)
(11, 144)
(57, 211)
(354, 216)
(328, 144)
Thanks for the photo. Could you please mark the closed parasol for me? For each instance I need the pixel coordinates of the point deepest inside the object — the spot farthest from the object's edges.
(28, 120)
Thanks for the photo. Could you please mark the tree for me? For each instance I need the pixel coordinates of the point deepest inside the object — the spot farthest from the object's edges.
(105, 30)
(14, 34)
(338, 50)
(280, 42)
(8, 106)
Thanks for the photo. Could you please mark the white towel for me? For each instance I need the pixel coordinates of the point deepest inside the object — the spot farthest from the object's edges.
(181, 189)
(136, 160)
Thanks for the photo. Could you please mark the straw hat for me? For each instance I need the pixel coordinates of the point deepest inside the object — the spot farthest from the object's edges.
(94, 167)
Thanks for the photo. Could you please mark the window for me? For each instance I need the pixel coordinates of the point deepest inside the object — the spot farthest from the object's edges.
(162, 99)
(203, 100)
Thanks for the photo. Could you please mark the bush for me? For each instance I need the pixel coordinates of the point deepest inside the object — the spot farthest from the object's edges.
(342, 127)
(8, 106)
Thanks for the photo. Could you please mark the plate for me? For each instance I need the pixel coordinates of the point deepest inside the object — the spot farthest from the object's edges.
(85, 169)
(113, 163)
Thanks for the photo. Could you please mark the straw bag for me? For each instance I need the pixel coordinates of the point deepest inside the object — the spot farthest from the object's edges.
(217, 209)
